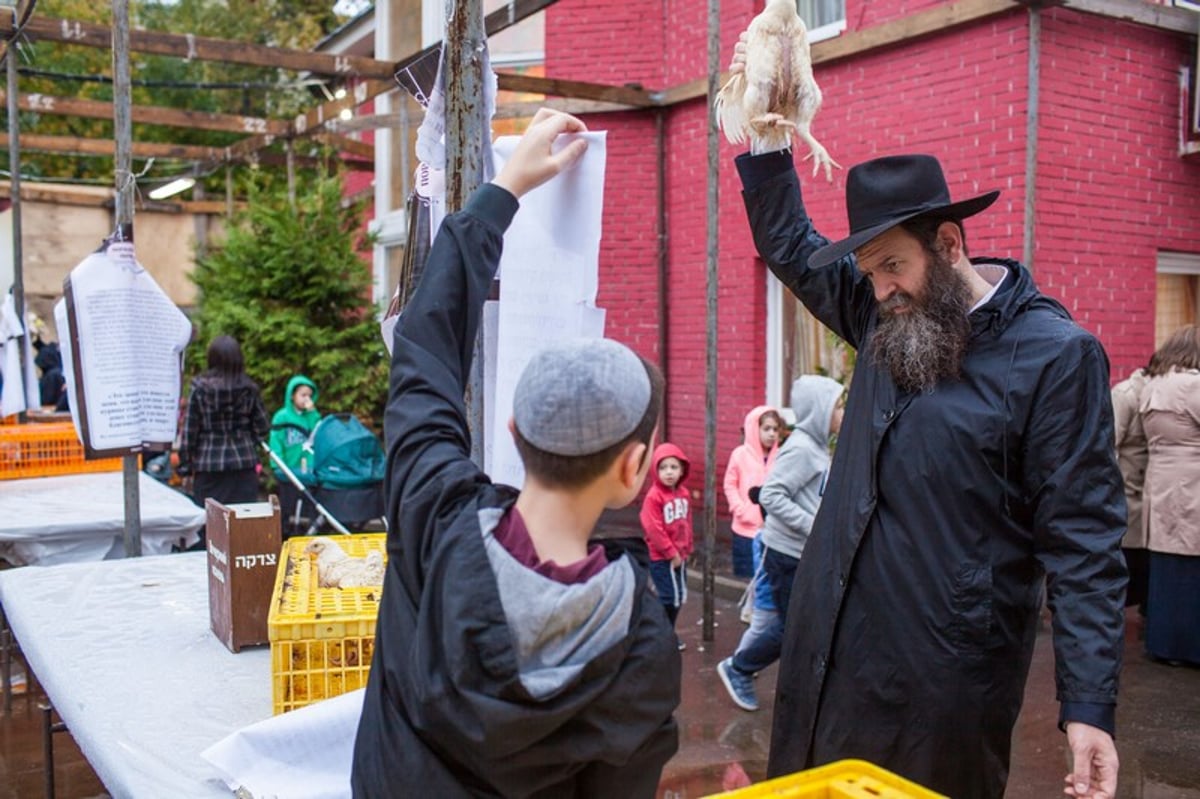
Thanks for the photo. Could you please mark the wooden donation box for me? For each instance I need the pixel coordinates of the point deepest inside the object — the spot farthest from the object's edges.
(244, 542)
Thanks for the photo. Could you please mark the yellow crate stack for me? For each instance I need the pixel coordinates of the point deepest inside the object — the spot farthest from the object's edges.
(45, 450)
(845, 779)
(321, 638)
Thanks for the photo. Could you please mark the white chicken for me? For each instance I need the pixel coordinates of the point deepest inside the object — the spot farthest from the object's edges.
(775, 94)
(336, 569)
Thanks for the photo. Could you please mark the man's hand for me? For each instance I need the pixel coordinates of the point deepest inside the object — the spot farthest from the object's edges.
(532, 162)
(676, 562)
(1094, 759)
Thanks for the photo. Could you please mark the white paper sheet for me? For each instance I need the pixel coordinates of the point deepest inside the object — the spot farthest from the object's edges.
(62, 323)
(548, 281)
(131, 340)
(307, 752)
(20, 390)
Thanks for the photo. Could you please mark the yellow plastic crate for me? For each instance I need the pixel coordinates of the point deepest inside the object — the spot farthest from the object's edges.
(845, 779)
(43, 450)
(321, 638)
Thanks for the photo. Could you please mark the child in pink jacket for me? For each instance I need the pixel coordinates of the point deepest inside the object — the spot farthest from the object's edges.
(748, 466)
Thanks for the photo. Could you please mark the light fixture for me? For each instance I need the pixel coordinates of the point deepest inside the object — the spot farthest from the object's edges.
(346, 114)
(339, 92)
(172, 188)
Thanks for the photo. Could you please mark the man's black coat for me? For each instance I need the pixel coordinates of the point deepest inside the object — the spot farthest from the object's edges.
(915, 607)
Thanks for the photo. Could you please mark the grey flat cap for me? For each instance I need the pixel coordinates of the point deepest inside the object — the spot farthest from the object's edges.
(581, 397)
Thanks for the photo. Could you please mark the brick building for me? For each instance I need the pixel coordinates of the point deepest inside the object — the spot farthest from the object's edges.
(1081, 112)
(1075, 116)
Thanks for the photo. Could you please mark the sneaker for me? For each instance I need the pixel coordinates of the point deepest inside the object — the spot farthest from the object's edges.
(739, 685)
(680, 644)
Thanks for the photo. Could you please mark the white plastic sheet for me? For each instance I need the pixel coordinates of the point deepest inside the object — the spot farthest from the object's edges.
(77, 517)
(124, 651)
(307, 752)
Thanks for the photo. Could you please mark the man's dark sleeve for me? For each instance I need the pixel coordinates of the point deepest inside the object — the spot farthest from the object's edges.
(1078, 497)
(425, 423)
(837, 294)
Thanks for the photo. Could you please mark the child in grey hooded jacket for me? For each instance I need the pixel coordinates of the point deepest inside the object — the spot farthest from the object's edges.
(790, 496)
(792, 492)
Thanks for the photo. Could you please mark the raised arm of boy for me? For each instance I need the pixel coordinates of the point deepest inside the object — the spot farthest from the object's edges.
(425, 422)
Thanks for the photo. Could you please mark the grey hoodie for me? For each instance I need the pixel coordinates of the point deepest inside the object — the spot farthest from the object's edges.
(796, 482)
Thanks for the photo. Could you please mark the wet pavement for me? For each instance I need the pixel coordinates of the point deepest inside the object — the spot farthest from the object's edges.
(1158, 722)
(1158, 727)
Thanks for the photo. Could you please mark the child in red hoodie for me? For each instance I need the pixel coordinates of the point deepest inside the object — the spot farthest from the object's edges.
(667, 523)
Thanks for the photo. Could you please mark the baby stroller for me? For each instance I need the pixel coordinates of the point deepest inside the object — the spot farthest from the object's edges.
(347, 473)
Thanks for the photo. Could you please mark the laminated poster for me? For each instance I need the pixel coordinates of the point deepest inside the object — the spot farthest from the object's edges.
(124, 365)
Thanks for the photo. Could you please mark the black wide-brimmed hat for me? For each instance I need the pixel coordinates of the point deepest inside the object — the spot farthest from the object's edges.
(884, 192)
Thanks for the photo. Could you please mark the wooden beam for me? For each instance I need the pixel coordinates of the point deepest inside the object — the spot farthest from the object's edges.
(1176, 20)
(214, 207)
(523, 110)
(504, 17)
(201, 48)
(95, 197)
(80, 146)
(344, 144)
(313, 120)
(60, 195)
(75, 145)
(921, 23)
(149, 115)
(932, 20)
(574, 89)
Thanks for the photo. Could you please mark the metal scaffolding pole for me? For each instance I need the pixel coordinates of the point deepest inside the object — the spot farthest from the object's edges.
(710, 360)
(463, 74)
(123, 136)
(14, 168)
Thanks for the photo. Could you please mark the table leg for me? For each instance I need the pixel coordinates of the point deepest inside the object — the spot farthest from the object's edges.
(6, 663)
(49, 727)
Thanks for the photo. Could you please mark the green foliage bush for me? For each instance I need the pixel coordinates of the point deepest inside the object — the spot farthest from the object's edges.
(290, 285)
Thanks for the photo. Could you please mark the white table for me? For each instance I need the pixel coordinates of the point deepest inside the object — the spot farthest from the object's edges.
(124, 651)
(78, 517)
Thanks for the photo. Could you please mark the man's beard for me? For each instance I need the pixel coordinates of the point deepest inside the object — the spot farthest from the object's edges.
(927, 343)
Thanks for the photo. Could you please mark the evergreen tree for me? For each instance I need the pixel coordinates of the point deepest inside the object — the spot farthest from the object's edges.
(289, 284)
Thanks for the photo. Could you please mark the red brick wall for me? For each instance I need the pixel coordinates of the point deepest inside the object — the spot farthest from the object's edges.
(619, 42)
(1107, 149)
(1112, 189)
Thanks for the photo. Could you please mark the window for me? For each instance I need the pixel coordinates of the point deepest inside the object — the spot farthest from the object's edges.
(1177, 301)
(823, 18)
(797, 344)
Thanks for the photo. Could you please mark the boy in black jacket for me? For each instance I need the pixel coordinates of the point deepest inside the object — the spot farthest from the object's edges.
(512, 658)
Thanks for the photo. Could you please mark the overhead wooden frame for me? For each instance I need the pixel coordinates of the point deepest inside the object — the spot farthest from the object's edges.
(377, 77)
(149, 115)
(79, 145)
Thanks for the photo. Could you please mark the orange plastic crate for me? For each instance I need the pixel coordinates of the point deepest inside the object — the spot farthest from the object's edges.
(42, 450)
(321, 638)
(845, 779)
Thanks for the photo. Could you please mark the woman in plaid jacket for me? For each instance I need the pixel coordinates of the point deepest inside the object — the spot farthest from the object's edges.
(224, 424)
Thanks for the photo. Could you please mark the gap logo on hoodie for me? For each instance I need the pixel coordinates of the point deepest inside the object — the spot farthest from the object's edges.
(676, 509)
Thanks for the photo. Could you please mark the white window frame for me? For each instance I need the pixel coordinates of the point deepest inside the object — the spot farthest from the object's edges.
(775, 392)
(829, 31)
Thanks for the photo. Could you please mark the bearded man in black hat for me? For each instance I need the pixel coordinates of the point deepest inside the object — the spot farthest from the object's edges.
(975, 465)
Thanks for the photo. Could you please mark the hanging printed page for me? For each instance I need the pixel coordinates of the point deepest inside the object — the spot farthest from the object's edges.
(126, 339)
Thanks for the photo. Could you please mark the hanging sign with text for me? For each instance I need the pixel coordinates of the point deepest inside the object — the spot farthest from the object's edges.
(126, 341)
